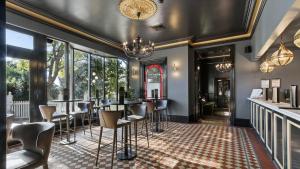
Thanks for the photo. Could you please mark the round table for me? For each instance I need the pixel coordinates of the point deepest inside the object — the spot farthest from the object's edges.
(67, 141)
(126, 154)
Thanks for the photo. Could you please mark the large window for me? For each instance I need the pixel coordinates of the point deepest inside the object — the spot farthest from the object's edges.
(122, 74)
(81, 75)
(19, 39)
(55, 69)
(111, 78)
(97, 76)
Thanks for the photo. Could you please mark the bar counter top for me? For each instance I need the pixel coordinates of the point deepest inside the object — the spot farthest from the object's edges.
(277, 107)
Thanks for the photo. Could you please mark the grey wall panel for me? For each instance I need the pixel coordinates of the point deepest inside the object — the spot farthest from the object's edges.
(268, 22)
(178, 82)
(289, 75)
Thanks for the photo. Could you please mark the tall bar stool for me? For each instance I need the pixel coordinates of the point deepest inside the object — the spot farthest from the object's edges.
(162, 106)
(49, 114)
(139, 114)
(151, 112)
(110, 120)
(84, 109)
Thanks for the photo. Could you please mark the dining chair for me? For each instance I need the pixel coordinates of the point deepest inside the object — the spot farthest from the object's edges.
(36, 140)
(139, 114)
(111, 120)
(49, 114)
(84, 110)
(105, 102)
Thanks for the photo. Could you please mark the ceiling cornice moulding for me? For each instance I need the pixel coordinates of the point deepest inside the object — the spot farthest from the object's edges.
(248, 34)
(61, 25)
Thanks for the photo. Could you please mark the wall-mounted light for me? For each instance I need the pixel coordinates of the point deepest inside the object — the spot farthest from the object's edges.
(174, 67)
(134, 71)
(198, 68)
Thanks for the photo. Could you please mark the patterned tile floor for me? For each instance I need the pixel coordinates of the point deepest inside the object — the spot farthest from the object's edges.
(180, 146)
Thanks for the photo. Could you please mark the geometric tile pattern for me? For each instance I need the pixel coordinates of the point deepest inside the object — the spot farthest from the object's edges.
(180, 146)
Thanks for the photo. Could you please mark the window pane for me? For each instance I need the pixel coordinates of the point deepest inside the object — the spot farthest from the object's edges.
(17, 81)
(111, 78)
(18, 39)
(80, 75)
(55, 69)
(122, 73)
(97, 76)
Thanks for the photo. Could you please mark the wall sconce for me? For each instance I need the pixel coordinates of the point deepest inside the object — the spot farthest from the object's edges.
(134, 71)
(174, 67)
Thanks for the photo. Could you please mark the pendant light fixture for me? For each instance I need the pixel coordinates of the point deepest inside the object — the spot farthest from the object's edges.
(267, 66)
(282, 56)
(225, 66)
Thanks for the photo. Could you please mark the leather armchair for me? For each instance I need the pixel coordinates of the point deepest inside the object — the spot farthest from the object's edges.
(36, 139)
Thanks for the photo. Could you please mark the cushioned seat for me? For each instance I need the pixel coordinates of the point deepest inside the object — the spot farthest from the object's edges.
(58, 115)
(23, 159)
(122, 122)
(136, 117)
(36, 139)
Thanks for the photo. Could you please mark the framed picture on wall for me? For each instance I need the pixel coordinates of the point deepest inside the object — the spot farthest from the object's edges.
(265, 83)
(275, 83)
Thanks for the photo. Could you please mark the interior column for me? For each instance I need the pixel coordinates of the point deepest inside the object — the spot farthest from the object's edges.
(2, 86)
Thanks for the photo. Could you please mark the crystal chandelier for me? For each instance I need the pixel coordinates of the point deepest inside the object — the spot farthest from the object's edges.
(267, 66)
(225, 66)
(138, 49)
(130, 8)
(282, 56)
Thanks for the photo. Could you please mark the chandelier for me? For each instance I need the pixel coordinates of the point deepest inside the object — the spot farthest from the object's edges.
(267, 66)
(225, 66)
(138, 49)
(282, 56)
(130, 9)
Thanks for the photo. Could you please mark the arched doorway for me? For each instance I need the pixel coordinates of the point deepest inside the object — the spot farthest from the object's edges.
(153, 80)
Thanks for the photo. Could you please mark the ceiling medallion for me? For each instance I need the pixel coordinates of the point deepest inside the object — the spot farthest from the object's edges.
(267, 66)
(282, 56)
(225, 66)
(131, 8)
(138, 49)
(297, 38)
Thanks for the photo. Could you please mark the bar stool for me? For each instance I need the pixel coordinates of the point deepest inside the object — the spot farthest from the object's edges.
(151, 111)
(162, 106)
(104, 102)
(49, 114)
(110, 120)
(139, 114)
(84, 109)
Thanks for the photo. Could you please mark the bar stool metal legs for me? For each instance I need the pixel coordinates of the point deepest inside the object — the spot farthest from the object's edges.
(99, 143)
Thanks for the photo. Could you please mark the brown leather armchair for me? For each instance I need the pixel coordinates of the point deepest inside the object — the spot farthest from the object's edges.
(36, 139)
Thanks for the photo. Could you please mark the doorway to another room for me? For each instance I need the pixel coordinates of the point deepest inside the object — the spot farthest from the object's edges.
(214, 82)
(154, 79)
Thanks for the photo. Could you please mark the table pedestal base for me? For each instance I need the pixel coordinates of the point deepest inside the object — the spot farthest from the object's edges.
(129, 156)
(157, 130)
(66, 142)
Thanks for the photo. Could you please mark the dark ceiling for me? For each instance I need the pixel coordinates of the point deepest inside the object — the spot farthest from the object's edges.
(197, 19)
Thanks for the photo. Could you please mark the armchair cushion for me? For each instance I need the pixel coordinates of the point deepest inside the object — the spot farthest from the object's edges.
(23, 159)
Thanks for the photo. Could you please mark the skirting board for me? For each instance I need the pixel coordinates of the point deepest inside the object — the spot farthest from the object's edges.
(181, 119)
(242, 122)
